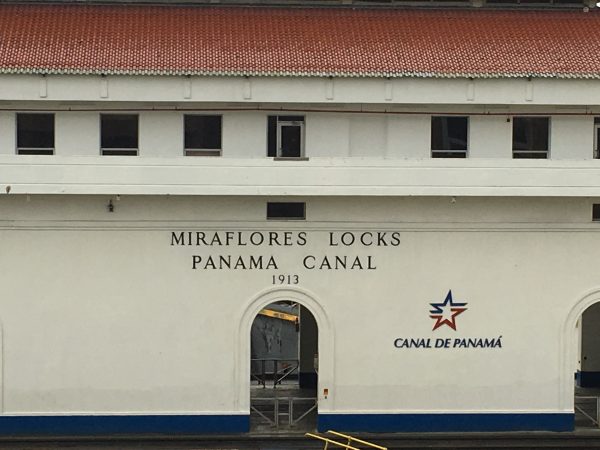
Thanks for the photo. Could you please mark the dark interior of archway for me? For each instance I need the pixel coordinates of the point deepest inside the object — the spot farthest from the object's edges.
(284, 369)
(587, 373)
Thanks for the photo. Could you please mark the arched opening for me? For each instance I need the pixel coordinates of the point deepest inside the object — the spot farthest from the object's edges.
(326, 345)
(587, 368)
(580, 361)
(283, 368)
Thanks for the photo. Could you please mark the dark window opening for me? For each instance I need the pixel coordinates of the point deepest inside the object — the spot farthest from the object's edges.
(449, 137)
(531, 137)
(597, 137)
(35, 134)
(596, 212)
(286, 210)
(119, 134)
(285, 136)
(272, 136)
(202, 135)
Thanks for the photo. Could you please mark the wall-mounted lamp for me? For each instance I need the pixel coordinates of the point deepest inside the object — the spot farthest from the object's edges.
(110, 206)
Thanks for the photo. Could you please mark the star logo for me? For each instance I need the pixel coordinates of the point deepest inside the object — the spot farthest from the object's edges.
(445, 313)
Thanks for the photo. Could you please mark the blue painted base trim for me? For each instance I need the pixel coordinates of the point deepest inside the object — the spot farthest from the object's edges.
(390, 423)
(116, 424)
(588, 379)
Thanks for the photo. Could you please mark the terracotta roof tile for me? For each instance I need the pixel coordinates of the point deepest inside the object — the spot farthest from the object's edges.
(173, 40)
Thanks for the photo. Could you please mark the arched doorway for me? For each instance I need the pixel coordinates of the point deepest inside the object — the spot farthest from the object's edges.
(581, 385)
(283, 368)
(312, 378)
(587, 365)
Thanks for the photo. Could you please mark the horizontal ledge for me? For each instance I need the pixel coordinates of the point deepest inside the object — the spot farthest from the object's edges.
(307, 191)
(308, 162)
(324, 177)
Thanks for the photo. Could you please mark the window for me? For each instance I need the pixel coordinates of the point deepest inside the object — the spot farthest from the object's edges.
(202, 135)
(119, 134)
(285, 136)
(531, 137)
(596, 137)
(286, 211)
(596, 212)
(35, 134)
(449, 137)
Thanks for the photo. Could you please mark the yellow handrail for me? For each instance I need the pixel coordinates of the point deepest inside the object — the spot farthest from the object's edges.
(341, 444)
(360, 441)
(330, 441)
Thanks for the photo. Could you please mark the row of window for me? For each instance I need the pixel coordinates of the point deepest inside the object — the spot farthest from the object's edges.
(530, 137)
(118, 134)
(285, 135)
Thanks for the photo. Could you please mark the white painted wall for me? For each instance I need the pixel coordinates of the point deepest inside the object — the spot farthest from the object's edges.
(572, 138)
(244, 135)
(368, 136)
(77, 133)
(490, 137)
(409, 137)
(101, 314)
(487, 93)
(161, 134)
(8, 133)
(327, 135)
(313, 177)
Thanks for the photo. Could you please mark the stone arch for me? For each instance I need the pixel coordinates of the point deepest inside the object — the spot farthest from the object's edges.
(242, 339)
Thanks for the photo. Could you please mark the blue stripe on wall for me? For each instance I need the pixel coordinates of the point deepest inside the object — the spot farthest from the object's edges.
(122, 424)
(384, 423)
(225, 424)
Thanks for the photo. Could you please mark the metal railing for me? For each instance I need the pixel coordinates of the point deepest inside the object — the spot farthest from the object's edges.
(589, 407)
(283, 407)
(273, 369)
(348, 445)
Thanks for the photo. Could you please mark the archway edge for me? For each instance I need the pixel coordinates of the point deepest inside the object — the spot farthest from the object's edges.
(326, 341)
(568, 346)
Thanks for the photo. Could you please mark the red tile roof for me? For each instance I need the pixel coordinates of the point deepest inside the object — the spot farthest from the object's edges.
(169, 40)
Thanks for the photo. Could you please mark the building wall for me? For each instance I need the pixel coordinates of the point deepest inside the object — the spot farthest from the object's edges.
(102, 315)
(105, 320)
(488, 94)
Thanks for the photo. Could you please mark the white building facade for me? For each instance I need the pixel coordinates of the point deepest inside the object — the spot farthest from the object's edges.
(439, 226)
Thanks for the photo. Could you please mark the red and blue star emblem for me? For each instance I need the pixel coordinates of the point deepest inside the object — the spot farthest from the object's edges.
(445, 313)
